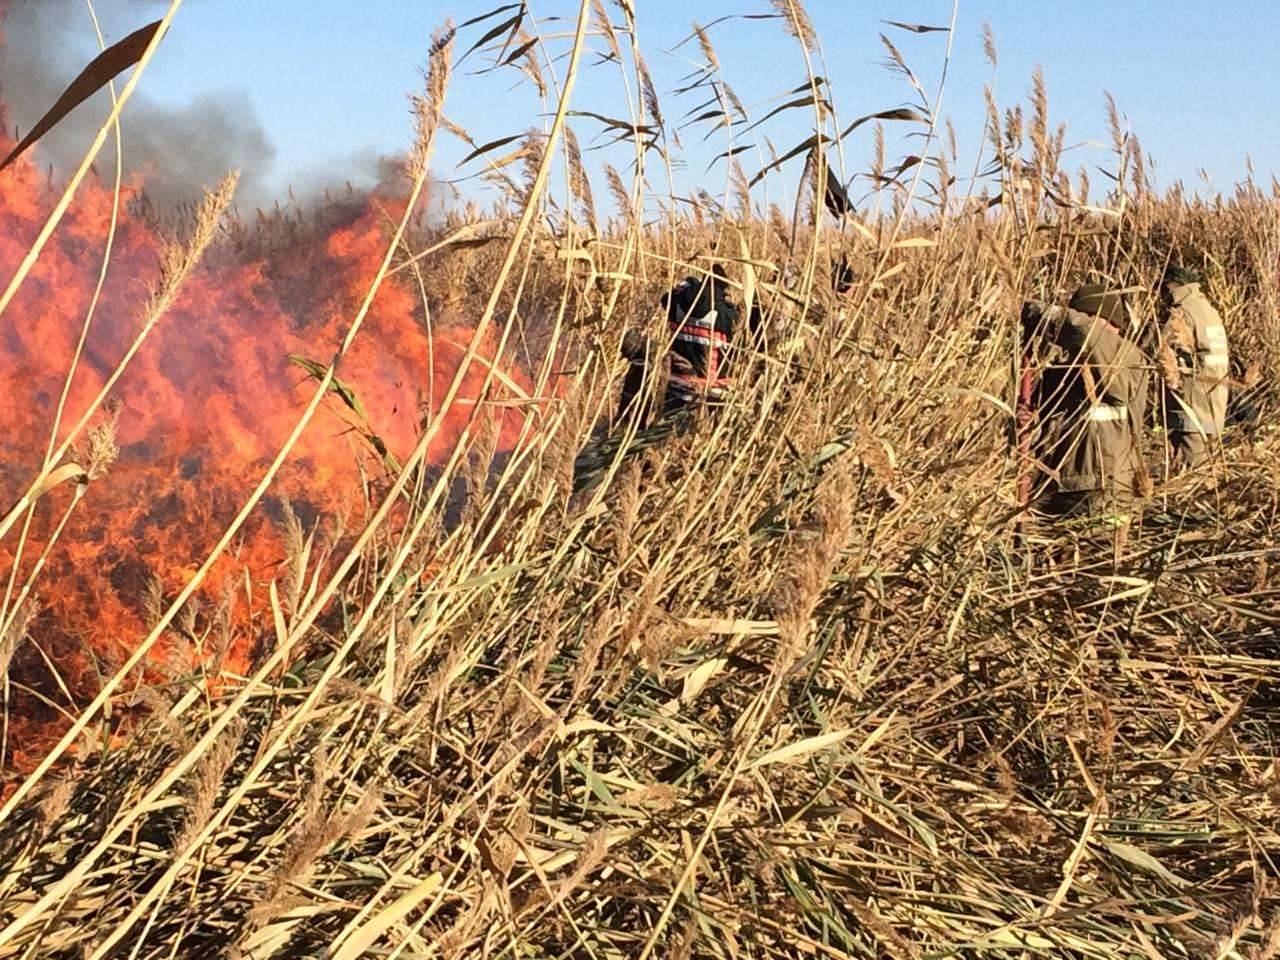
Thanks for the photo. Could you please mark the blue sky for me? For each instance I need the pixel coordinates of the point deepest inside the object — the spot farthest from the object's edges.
(327, 79)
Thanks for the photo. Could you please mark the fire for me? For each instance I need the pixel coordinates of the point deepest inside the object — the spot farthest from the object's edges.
(200, 412)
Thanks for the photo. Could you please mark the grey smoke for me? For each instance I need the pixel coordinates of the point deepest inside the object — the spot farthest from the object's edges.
(181, 150)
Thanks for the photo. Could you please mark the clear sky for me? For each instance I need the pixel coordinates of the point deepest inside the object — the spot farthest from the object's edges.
(327, 79)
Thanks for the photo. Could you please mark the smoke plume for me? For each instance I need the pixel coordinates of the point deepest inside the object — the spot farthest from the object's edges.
(179, 149)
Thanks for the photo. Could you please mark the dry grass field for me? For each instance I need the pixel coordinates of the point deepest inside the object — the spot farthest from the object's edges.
(465, 668)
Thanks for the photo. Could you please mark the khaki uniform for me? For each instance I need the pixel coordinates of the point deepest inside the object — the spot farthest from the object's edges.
(1197, 409)
(1091, 402)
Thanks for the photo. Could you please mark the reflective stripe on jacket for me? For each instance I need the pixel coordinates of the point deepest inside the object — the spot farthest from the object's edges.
(1199, 404)
(702, 323)
(1090, 404)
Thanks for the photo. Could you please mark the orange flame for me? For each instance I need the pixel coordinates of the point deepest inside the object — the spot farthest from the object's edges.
(202, 409)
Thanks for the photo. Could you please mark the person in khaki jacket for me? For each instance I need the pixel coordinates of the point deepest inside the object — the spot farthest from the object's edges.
(1088, 406)
(1196, 387)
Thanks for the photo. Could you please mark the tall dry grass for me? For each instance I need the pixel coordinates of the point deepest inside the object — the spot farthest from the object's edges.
(796, 681)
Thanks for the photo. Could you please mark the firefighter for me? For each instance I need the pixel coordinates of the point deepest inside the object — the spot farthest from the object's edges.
(843, 278)
(701, 321)
(637, 350)
(1087, 406)
(1196, 393)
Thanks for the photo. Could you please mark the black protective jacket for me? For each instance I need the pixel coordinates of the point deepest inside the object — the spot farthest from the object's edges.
(702, 323)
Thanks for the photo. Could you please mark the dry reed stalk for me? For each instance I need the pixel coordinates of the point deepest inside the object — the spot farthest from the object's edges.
(989, 45)
(796, 18)
(1039, 131)
(652, 102)
(579, 182)
(606, 27)
(208, 778)
(708, 51)
(802, 588)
